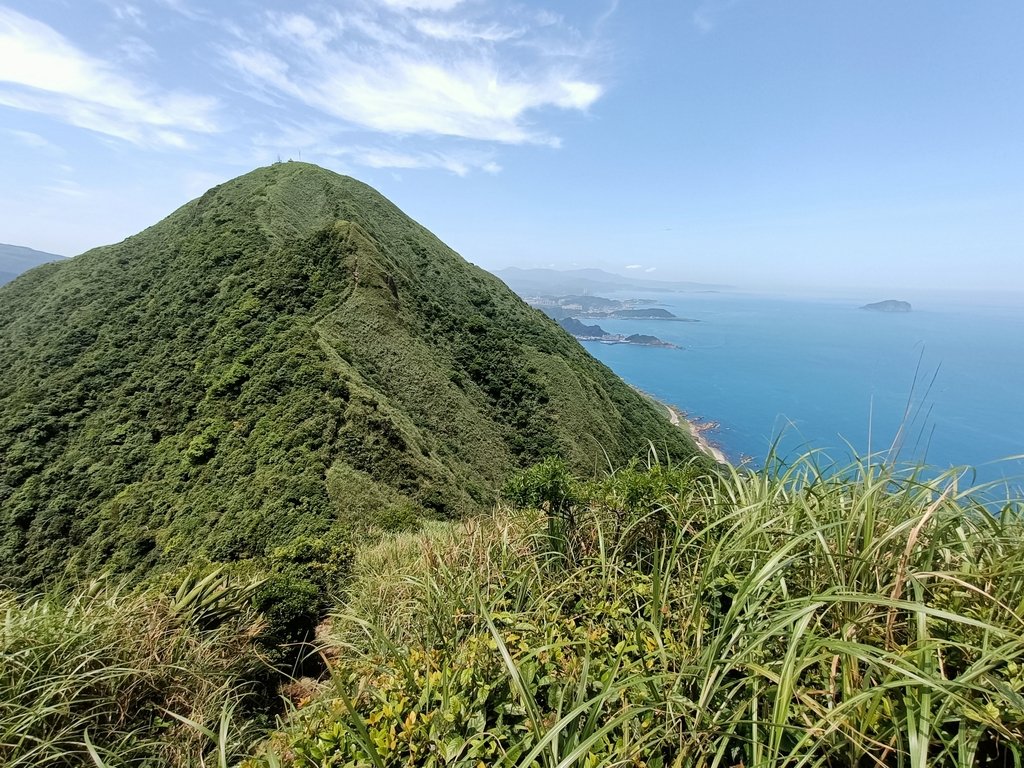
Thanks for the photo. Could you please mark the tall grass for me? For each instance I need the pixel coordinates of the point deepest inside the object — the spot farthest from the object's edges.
(111, 678)
(861, 616)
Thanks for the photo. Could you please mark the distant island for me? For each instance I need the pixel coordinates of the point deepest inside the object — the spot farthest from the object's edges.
(652, 313)
(591, 307)
(578, 329)
(889, 305)
(648, 341)
(584, 332)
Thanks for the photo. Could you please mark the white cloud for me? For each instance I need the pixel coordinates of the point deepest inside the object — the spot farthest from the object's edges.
(461, 76)
(128, 12)
(67, 188)
(135, 50)
(405, 94)
(464, 31)
(422, 5)
(387, 67)
(459, 163)
(707, 15)
(548, 18)
(703, 21)
(291, 137)
(651, 269)
(320, 139)
(301, 29)
(34, 141)
(634, 266)
(44, 72)
(185, 9)
(263, 67)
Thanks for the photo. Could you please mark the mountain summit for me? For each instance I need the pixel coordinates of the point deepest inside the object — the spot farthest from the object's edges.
(285, 355)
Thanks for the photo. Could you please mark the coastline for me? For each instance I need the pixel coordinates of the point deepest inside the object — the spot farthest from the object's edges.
(696, 431)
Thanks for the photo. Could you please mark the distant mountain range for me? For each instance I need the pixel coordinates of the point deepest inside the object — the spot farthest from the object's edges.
(555, 282)
(15, 259)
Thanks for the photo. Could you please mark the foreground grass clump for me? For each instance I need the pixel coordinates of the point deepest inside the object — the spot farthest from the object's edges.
(661, 618)
(112, 678)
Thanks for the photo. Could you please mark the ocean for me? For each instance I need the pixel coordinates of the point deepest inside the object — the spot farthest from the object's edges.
(943, 384)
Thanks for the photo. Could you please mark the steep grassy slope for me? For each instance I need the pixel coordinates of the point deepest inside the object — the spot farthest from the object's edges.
(285, 355)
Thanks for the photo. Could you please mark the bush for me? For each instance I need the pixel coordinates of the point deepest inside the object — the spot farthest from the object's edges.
(547, 485)
(293, 608)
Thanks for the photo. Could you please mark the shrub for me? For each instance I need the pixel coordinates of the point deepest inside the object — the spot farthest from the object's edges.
(547, 485)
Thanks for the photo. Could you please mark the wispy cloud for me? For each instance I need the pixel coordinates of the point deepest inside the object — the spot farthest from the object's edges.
(702, 21)
(41, 71)
(459, 163)
(321, 139)
(301, 29)
(67, 188)
(186, 9)
(422, 5)
(135, 50)
(465, 31)
(546, 18)
(709, 12)
(406, 75)
(34, 141)
(129, 13)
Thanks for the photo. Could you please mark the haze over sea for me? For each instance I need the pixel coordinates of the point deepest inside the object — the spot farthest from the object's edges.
(822, 373)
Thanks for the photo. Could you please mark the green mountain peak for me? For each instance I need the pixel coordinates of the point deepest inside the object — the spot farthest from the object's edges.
(287, 355)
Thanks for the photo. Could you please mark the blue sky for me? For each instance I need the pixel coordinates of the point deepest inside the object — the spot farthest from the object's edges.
(767, 144)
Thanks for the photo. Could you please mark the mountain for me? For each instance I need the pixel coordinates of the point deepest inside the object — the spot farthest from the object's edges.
(555, 282)
(576, 328)
(288, 356)
(15, 259)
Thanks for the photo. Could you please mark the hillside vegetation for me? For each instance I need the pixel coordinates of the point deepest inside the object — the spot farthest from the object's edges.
(286, 483)
(659, 616)
(287, 357)
(854, 617)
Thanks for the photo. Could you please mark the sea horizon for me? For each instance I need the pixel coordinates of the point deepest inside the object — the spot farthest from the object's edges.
(813, 371)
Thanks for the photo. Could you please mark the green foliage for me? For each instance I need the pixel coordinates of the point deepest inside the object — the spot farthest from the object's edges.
(293, 607)
(547, 485)
(324, 560)
(210, 600)
(305, 577)
(866, 616)
(285, 355)
(112, 676)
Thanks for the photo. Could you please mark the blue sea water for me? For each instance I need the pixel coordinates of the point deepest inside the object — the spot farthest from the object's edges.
(945, 381)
